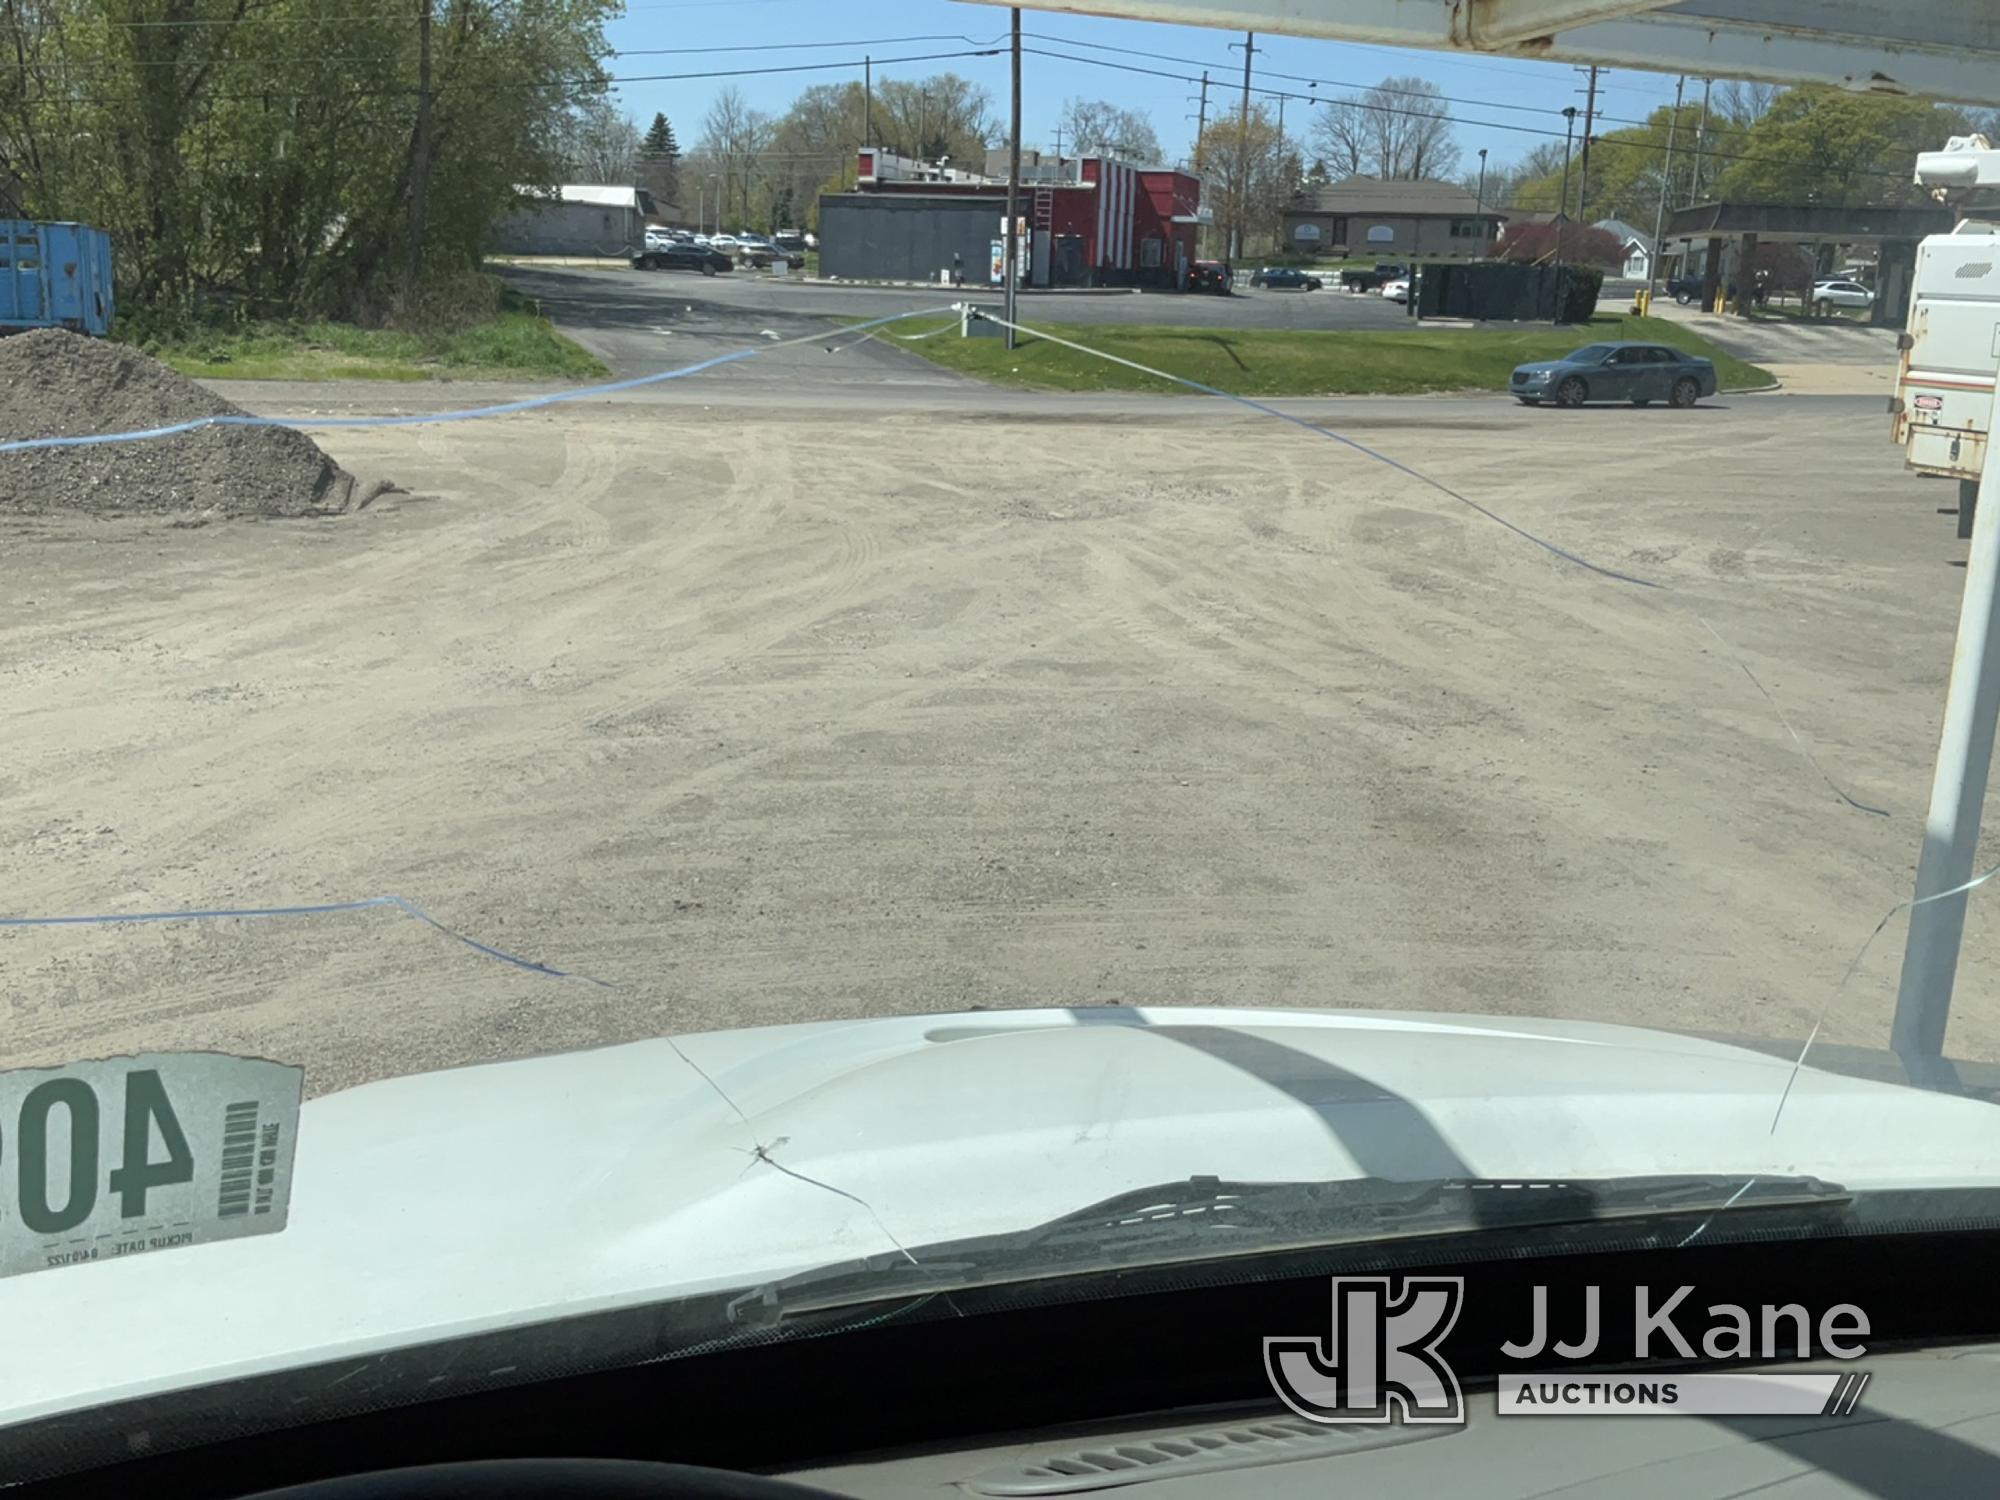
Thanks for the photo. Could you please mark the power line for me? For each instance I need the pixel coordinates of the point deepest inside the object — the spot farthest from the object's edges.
(753, 48)
(395, 18)
(852, 64)
(604, 81)
(289, 59)
(1270, 93)
(391, 12)
(1321, 80)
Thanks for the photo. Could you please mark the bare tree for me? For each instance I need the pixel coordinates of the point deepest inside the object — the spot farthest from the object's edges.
(1091, 125)
(734, 139)
(600, 144)
(1340, 137)
(1504, 183)
(1743, 103)
(1401, 128)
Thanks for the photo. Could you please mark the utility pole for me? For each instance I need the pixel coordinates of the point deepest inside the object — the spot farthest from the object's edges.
(1241, 226)
(1666, 187)
(420, 151)
(1059, 136)
(1201, 122)
(868, 101)
(1700, 141)
(1014, 191)
(1589, 120)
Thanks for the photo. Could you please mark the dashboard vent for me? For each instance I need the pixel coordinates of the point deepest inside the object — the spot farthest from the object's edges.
(1134, 1460)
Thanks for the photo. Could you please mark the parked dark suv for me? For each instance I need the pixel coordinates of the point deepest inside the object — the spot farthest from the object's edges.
(1687, 289)
(1211, 276)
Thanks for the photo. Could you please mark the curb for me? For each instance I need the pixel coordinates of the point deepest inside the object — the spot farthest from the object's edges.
(969, 289)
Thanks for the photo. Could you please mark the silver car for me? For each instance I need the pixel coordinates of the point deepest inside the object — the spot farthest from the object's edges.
(1839, 291)
(1623, 371)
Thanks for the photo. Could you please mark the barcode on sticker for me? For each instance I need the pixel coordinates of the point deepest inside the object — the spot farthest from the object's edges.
(239, 1158)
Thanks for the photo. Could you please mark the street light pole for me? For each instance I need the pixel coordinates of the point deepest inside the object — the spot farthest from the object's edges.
(1562, 209)
(1569, 137)
(1479, 206)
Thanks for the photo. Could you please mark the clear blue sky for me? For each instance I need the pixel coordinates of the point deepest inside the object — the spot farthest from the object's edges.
(1489, 94)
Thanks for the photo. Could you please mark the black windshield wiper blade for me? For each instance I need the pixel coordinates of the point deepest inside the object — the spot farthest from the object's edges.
(1206, 1218)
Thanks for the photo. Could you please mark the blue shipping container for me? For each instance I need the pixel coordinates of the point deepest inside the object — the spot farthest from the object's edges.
(54, 276)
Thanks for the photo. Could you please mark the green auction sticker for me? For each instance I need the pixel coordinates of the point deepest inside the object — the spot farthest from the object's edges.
(126, 1155)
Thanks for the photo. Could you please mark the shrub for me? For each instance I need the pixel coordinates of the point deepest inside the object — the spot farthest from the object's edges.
(1576, 293)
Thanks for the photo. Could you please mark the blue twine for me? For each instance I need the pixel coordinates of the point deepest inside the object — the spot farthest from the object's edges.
(1339, 437)
(399, 903)
(504, 408)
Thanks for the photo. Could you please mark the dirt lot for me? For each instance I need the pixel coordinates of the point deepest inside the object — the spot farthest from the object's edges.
(765, 715)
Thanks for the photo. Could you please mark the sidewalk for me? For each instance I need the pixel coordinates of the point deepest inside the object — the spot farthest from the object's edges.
(1819, 358)
(1773, 341)
(1832, 380)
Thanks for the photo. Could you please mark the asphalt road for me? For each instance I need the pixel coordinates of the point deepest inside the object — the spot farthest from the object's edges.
(630, 318)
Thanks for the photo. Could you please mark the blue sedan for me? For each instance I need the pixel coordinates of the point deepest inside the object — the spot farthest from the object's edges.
(1627, 371)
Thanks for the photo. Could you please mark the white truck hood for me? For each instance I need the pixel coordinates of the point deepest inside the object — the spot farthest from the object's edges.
(453, 1202)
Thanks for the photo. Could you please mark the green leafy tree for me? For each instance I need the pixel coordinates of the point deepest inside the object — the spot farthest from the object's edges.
(1248, 174)
(1628, 168)
(266, 153)
(1825, 145)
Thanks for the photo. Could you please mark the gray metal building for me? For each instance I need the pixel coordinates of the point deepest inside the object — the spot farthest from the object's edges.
(910, 236)
(575, 219)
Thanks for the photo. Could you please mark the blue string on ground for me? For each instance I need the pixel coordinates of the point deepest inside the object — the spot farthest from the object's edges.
(504, 408)
(1327, 432)
(1444, 489)
(325, 908)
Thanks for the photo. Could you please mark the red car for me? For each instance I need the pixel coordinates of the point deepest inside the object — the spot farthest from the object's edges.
(1211, 276)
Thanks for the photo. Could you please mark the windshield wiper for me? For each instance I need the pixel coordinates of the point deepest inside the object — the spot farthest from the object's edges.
(1205, 1218)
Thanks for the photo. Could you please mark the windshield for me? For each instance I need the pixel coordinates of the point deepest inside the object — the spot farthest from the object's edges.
(599, 711)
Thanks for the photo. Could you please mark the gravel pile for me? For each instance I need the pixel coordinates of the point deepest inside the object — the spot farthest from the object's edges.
(54, 383)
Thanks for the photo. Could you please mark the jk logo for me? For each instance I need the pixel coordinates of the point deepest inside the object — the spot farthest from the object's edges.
(1379, 1362)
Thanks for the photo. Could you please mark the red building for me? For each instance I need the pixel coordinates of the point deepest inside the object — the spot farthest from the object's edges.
(1092, 221)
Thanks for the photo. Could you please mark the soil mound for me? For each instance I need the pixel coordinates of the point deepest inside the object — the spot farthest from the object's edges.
(54, 383)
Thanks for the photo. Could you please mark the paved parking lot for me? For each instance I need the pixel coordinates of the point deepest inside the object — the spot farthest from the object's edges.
(631, 319)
